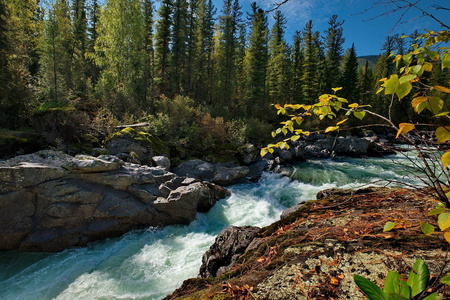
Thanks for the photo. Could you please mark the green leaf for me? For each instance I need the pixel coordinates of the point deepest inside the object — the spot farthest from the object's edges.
(360, 114)
(391, 85)
(444, 221)
(391, 283)
(434, 104)
(445, 60)
(388, 226)
(295, 137)
(407, 78)
(407, 58)
(372, 291)
(431, 297)
(443, 134)
(427, 228)
(446, 279)
(403, 89)
(418, 278)
(436, 211)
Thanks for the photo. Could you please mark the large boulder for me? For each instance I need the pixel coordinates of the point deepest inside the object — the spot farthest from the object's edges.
(228, 246)
(141, 145)
(222, 174)
(50, 201)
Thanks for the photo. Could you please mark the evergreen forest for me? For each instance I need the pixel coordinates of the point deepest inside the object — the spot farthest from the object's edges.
(201, 77)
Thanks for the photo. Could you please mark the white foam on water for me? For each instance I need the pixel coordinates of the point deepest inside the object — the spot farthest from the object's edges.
(149, 264)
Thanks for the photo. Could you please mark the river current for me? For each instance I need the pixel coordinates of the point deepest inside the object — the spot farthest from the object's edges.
(149, 264)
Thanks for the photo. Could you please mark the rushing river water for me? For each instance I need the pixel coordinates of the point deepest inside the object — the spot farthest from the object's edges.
(149, 264)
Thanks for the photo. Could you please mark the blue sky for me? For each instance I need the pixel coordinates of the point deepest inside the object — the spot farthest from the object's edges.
(368, 35)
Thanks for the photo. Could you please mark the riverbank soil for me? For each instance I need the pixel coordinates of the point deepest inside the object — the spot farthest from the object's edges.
(314, 252)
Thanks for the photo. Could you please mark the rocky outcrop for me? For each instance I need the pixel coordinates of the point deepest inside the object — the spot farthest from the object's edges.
(228, 246)
(137, 146)
(50, 201)
(314, 252)
(222, 174)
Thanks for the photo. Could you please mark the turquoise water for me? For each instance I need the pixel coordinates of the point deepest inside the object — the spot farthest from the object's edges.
(150, 264)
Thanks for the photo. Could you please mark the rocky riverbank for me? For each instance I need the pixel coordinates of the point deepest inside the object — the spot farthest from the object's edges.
(313, 252)
(50, 201)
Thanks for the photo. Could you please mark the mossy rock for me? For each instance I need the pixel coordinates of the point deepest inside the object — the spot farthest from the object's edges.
(15, 142)
(156, 145)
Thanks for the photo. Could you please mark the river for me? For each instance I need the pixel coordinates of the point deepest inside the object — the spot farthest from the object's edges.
(149, 264)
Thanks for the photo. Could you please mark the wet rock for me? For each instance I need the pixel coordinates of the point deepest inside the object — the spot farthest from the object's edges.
(229, 176)
(228, 246)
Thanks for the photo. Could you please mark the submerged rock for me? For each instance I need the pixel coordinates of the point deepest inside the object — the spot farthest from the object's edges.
(50, 201)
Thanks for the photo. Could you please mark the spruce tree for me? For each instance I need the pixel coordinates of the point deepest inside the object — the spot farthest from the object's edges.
(310, 64)
(79, 45)
(297, 69)
(349, 78)
(333, 43)
(179, 51)
(148, 75)
(162, 46)
(278, 71)
(226, 71)
(256, 64)
(365, 80)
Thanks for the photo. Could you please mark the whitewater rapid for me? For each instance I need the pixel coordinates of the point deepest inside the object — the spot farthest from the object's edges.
(149, 264)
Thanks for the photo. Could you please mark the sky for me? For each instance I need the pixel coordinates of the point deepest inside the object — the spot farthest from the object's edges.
(361, 27)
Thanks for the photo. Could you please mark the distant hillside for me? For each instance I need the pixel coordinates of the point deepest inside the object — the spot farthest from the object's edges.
(372, 59)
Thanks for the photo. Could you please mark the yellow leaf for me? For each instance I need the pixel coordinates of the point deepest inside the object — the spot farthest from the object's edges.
(331, 128)
(428, 67)
(447, 236)
(444, 221)
(342, 122)
(336, 89)
(277, 106)
(264, 152)
(404, 128)
(353, 105)
(416, 104)
(446, 159)
(334, 281)
(443, 134)
(442, 89)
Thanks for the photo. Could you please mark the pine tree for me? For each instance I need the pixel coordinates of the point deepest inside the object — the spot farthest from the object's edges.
(93, 15)
(334, 40)
(310, 64)
(297, 69)
(203, 73)
(256, 64)
(149, 60)
(278, 71)
(365, 86)
(79, 45)
(162, 46)
(57, 53)
(226, 73)
(179, 51)
(349, 79)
